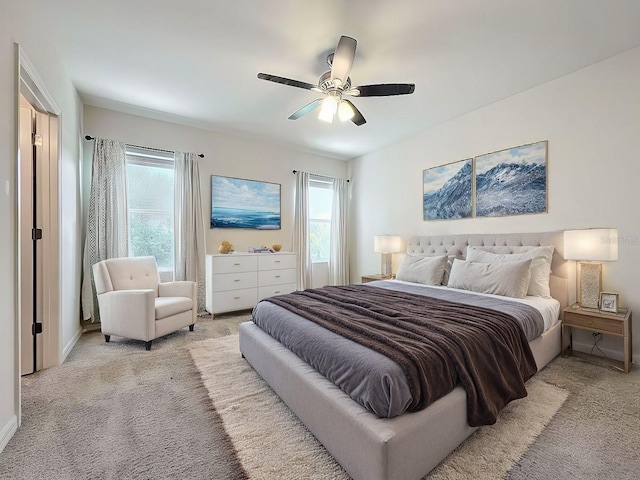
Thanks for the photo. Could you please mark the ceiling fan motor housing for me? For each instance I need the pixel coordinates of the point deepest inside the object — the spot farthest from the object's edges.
(326, 83)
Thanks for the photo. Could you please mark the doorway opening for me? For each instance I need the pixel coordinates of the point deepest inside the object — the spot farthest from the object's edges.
(38, 246)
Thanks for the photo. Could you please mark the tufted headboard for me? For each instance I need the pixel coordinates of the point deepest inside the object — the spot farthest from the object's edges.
(457, 245)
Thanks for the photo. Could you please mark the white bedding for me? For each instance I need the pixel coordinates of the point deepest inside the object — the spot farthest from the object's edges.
(549, 308)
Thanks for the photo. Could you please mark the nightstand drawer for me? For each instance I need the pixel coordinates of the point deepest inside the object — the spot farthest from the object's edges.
(608, 325)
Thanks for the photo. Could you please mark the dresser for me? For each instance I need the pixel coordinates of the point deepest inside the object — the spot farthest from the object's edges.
(238, 281)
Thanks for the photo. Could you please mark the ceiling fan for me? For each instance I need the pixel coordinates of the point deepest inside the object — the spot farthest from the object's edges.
(335, 84)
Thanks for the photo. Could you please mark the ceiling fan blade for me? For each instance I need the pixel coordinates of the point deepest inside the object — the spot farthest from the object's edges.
(306, 109)
(286, 81)
(357, 118)
(383, 90)
(343, 58)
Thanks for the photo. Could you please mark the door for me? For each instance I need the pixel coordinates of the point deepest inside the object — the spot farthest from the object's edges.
(34, 141)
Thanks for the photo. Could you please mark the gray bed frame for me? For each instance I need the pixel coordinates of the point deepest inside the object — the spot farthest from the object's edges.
(412, 444)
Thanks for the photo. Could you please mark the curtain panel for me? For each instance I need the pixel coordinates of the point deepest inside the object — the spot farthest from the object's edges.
(301, 231)
(189, 229)
(107, 234)
(339, 256)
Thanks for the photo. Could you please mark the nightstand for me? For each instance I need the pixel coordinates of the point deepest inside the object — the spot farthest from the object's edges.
(618, 324)
(376, 276)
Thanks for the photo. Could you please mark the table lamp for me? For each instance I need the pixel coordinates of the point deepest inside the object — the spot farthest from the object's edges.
(387, 245)
(589, 247)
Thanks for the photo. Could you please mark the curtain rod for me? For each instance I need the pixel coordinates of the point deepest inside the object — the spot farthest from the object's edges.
(316, 175)
(87, 137)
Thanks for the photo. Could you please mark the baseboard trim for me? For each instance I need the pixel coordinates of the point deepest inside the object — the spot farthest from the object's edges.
(67, 349)
(7, 432)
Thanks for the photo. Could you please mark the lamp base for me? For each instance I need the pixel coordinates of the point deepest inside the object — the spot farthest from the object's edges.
(386, 264)
(589, 284)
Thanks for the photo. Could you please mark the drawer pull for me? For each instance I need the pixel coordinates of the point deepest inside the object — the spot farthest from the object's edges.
(277, 291)
(236, 264)
(277, 261)
(236, 298)
(277, 276)
(236, 280)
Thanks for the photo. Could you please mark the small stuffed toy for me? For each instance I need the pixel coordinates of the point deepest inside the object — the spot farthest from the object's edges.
(225, 247)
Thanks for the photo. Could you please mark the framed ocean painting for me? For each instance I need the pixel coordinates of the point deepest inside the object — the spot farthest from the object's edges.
(242, 203)
(447, 191)
(512, 181)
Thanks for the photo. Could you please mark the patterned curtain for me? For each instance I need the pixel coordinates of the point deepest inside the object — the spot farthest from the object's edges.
(108, 222)
(339, 257)
(189, 229)
(301, 231)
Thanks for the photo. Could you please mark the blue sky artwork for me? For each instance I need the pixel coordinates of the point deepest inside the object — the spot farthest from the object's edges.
(242, 203)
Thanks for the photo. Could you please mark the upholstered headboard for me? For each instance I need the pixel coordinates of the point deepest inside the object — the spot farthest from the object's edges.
(457, 245)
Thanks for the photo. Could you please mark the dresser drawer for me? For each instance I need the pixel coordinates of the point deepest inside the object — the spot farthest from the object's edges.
(276, 277)
(234, 300)
(233, 263)
(276, 261)
(272, 290)
(233, 281)
(608, 325)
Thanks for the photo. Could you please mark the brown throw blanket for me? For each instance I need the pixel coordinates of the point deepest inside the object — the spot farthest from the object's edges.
(437, 343)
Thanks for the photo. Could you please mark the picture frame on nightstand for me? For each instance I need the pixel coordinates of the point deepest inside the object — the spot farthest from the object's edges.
(609, 302)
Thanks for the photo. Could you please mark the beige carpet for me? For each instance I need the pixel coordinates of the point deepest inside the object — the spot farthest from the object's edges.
(272, 443)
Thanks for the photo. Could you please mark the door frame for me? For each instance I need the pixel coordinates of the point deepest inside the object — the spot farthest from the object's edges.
(30, 85)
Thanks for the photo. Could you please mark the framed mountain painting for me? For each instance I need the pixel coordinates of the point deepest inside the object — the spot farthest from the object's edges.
(242, 203)
(512, 181)
(446, 191)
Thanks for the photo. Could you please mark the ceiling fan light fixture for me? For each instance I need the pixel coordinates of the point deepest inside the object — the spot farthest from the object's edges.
(328, 109)
(345, 112)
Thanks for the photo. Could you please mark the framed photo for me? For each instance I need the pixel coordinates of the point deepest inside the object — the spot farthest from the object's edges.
(512, 181)
(609, 302)
(447, 191)
(243, 203)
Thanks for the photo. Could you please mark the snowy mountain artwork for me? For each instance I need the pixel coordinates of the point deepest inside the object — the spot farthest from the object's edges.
(512, 181)
(447, 191)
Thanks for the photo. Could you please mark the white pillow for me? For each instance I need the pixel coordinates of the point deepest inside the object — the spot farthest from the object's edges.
(426, 270)
(509, 279)
(540, 265)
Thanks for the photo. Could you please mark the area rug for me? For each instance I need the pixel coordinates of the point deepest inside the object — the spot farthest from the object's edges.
(272, 443)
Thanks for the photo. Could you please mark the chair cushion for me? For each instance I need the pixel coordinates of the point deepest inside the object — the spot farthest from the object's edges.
(133, 273)
(167, 306)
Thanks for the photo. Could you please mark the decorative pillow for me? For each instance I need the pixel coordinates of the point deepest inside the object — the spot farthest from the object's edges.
(540, 265)
(447, 269)
(509, 279)
(426, 270)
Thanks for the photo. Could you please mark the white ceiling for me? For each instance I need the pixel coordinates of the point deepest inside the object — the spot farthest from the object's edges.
(195, 61)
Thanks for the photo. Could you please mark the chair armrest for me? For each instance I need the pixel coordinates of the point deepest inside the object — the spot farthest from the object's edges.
(128, 313)
(177, 289)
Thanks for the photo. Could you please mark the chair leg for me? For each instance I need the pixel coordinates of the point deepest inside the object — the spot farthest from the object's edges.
(147, 345)
(107, 338)
(191, 327)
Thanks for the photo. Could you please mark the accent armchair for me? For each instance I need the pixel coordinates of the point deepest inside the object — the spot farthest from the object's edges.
(135, 304)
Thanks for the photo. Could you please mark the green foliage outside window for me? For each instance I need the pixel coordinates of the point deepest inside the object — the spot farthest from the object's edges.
(150, 199)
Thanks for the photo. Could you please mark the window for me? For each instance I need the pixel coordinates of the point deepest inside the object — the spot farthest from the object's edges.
(320, 206)
(150, 205)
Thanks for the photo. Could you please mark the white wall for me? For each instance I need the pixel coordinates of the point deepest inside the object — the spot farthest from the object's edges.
(227, 155)
(21, 23)
(591, 119)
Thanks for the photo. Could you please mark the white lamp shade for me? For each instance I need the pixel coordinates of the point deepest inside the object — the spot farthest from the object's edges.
(594, 244)
(387, 243)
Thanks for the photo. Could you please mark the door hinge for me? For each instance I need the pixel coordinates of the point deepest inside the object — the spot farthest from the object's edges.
(36, 328)
(36, 234)
(37, 139)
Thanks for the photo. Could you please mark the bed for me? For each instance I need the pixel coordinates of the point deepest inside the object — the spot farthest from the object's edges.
(408, 445)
